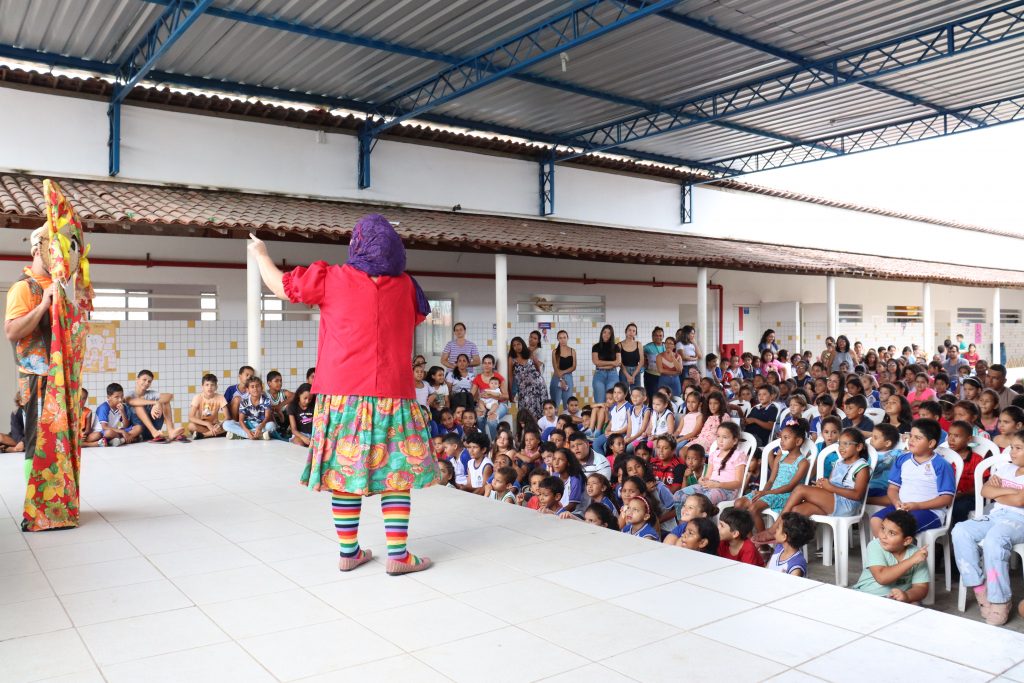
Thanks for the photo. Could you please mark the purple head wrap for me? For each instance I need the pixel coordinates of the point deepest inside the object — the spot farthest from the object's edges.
(376, 249)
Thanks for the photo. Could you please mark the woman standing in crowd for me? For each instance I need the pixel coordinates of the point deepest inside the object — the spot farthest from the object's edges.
(843, 354)
(459, 345)
(656, 346)
(687, 349)
(563, 365)
(534, 343)
(630, 354)
(605, 356)
(767, 342)
(531, 390)
(482, 382)
(670, 366)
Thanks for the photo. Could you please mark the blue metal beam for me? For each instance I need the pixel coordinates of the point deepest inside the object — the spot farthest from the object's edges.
(686, 203)
(978, 31)
(267, 93)
(172, 23)
(447, 58)
(962, 120)
(547, 184)
(790, 56)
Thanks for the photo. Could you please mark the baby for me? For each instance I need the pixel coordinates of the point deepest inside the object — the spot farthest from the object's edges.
(488, 406)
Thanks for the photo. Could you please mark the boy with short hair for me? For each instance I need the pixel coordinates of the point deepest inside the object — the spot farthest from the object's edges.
(791, 536)
(747, 371)
(760, 421)
(932, 410)
(208, 410)
(666, 466)
(855, 407)
(457, 455)
(279, 399)
(446, 424)
(921, 481)
(549, 495)
(734, 529)
(885, 438)
(89, 426)
(255, 417)
(153, 410)
(547, 420)
(531, 496)
(501, 486)
(893, 566)
(119, 425)
(244, 374)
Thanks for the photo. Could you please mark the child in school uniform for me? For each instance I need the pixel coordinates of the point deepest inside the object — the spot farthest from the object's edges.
(119, 425)
(549, 494)
(89, 426)
(702, 535)
(500, 488)
(885, 439)
(642, 515)
(458, 456)
(791, 536)
(479, 467)
(697, 506)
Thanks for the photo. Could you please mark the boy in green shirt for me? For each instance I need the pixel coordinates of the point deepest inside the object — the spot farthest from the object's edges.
(894, 567)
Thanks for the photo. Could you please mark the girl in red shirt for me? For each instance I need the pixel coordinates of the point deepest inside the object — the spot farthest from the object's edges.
(369, 433)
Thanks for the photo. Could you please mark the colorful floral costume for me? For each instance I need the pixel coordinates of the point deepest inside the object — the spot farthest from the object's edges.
(51, 499)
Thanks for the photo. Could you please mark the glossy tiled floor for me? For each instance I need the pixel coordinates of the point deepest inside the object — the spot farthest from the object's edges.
(207, 562)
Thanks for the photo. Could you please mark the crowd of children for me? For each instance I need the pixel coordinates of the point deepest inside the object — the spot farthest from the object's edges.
(685, 468)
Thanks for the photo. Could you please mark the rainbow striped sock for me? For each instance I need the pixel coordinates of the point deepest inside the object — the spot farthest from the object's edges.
(346, 508)
(395, 505)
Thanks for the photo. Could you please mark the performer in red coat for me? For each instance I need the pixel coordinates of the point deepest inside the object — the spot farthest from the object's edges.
(369, 434)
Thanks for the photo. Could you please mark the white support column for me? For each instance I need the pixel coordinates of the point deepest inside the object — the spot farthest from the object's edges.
(253, 309)
(501, 309)
(929, 320)
(831, 307)
(702, 316)
(997, 322)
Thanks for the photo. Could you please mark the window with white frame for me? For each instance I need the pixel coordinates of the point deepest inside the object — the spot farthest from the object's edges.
(970, 315)
(278, 309)
(115, 303)
(435, 332)
(1009, 316)
(208, 306)
(904, 314)
(560, 308)
(851, 313)
(154, 302)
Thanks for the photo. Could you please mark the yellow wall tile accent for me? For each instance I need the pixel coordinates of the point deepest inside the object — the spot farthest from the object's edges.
(227, 373)
(192, 389)
(191, 324)
(234, 345)
(161, 346)
(156, 375)
(298, 344)
(191, 353)
(294, 371)
(131, 376)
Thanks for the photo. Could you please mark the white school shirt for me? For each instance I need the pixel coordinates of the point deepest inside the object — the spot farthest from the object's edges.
(1007, 473)
(476, 474)
(659, 423)
(636, 421)
(617, 416)
(545, 423)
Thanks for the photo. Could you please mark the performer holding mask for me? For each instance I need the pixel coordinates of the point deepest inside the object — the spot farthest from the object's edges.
(369, 434)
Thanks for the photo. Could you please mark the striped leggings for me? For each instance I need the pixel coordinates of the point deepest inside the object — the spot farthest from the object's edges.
(394, 505)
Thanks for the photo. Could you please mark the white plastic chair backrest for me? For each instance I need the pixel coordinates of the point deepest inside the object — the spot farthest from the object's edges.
(807, 450)
(749, 442)
(841, 414)
(985, 448)
(811, 413)
(819, 466)
(876, 415)
(954, 459)
(980, 472)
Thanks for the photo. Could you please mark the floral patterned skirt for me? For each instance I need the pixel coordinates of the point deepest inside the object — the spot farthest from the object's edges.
(366, 445)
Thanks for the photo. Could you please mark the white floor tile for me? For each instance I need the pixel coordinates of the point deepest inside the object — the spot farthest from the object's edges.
(752, 583)
(85, 553)
(845, 608)
(202, 560)
(591, 673)
(682, 656)
(533, 598)
(311, 650)
(400, 668)
(91, 528)
(683, 605)
(870, 659)
(124, 640)
(604, 580)
(675, 562)
(22, 587)
(472, 659)
(794, 676)
(20, 561)
(599, 630)
(31, 617)
(44, 656)
(232, 584)
(11, 539)
(287, 547)
(487, 538)
(1015, 674)
(256, 530)
(772, 634)
(428, 624)
(261, 614)
(210, 664)
(122, 602)
(991, 649)
(168, 534)
(371, 590)
(543, 558)
(92, 675)
(99, 575)
(466, 574)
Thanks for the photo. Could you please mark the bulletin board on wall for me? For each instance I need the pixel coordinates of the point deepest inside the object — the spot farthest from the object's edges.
(101, 347)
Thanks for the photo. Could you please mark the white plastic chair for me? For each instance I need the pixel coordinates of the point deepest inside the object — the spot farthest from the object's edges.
(749, 443)
(836, 543)
(751, 453)
(811, 413)
(980, 473)
(941, 535)
(986, 448)
(807, 450)
(876, 415)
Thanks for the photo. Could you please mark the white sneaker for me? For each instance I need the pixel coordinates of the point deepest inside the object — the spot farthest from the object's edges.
(116, 441)
(231, 435)
(265, 436)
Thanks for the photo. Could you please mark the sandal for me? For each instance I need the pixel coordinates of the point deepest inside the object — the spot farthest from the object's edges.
(158, 439)
(182, 438)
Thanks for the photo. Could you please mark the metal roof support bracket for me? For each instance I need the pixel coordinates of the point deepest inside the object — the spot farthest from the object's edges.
(138, 61)
(547, 183)
(686, 203)
(367, 141)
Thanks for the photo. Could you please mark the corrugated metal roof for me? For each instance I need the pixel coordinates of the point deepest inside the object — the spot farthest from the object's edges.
(655, 59)
(146, 209)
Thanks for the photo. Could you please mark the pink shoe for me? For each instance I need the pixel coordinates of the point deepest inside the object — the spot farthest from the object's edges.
(347, 564)
(396, 568)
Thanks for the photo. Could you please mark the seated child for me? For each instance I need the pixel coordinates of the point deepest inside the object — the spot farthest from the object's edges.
(831, 428)
(599, 515)
(458, 456)
(15, 440)
(701, 535)
(549, 494)
(1010, 421)
(893, 566)
(884, 438)
(855, 417)
(985, 567)
(787, 471)
(447, 474)
(696, 506)
(487, 406)
(445, 425)
(791, 536)
(642, 517)
(500, 488)
(825, 405)
(300, 416)
(696, 461)
(279, 400)
(89, 426)
(662, 419)
(479, 467)
(921, 482)
(728, 460)
(208, 410)
(959, 441)
(615, 450)
(734, 527)
(599, 491)
(468, 422)
(840, 494)
(530, 497)
(932, 410)
(666, 467)
(255, 417)
(632, 486)
(118, 424)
